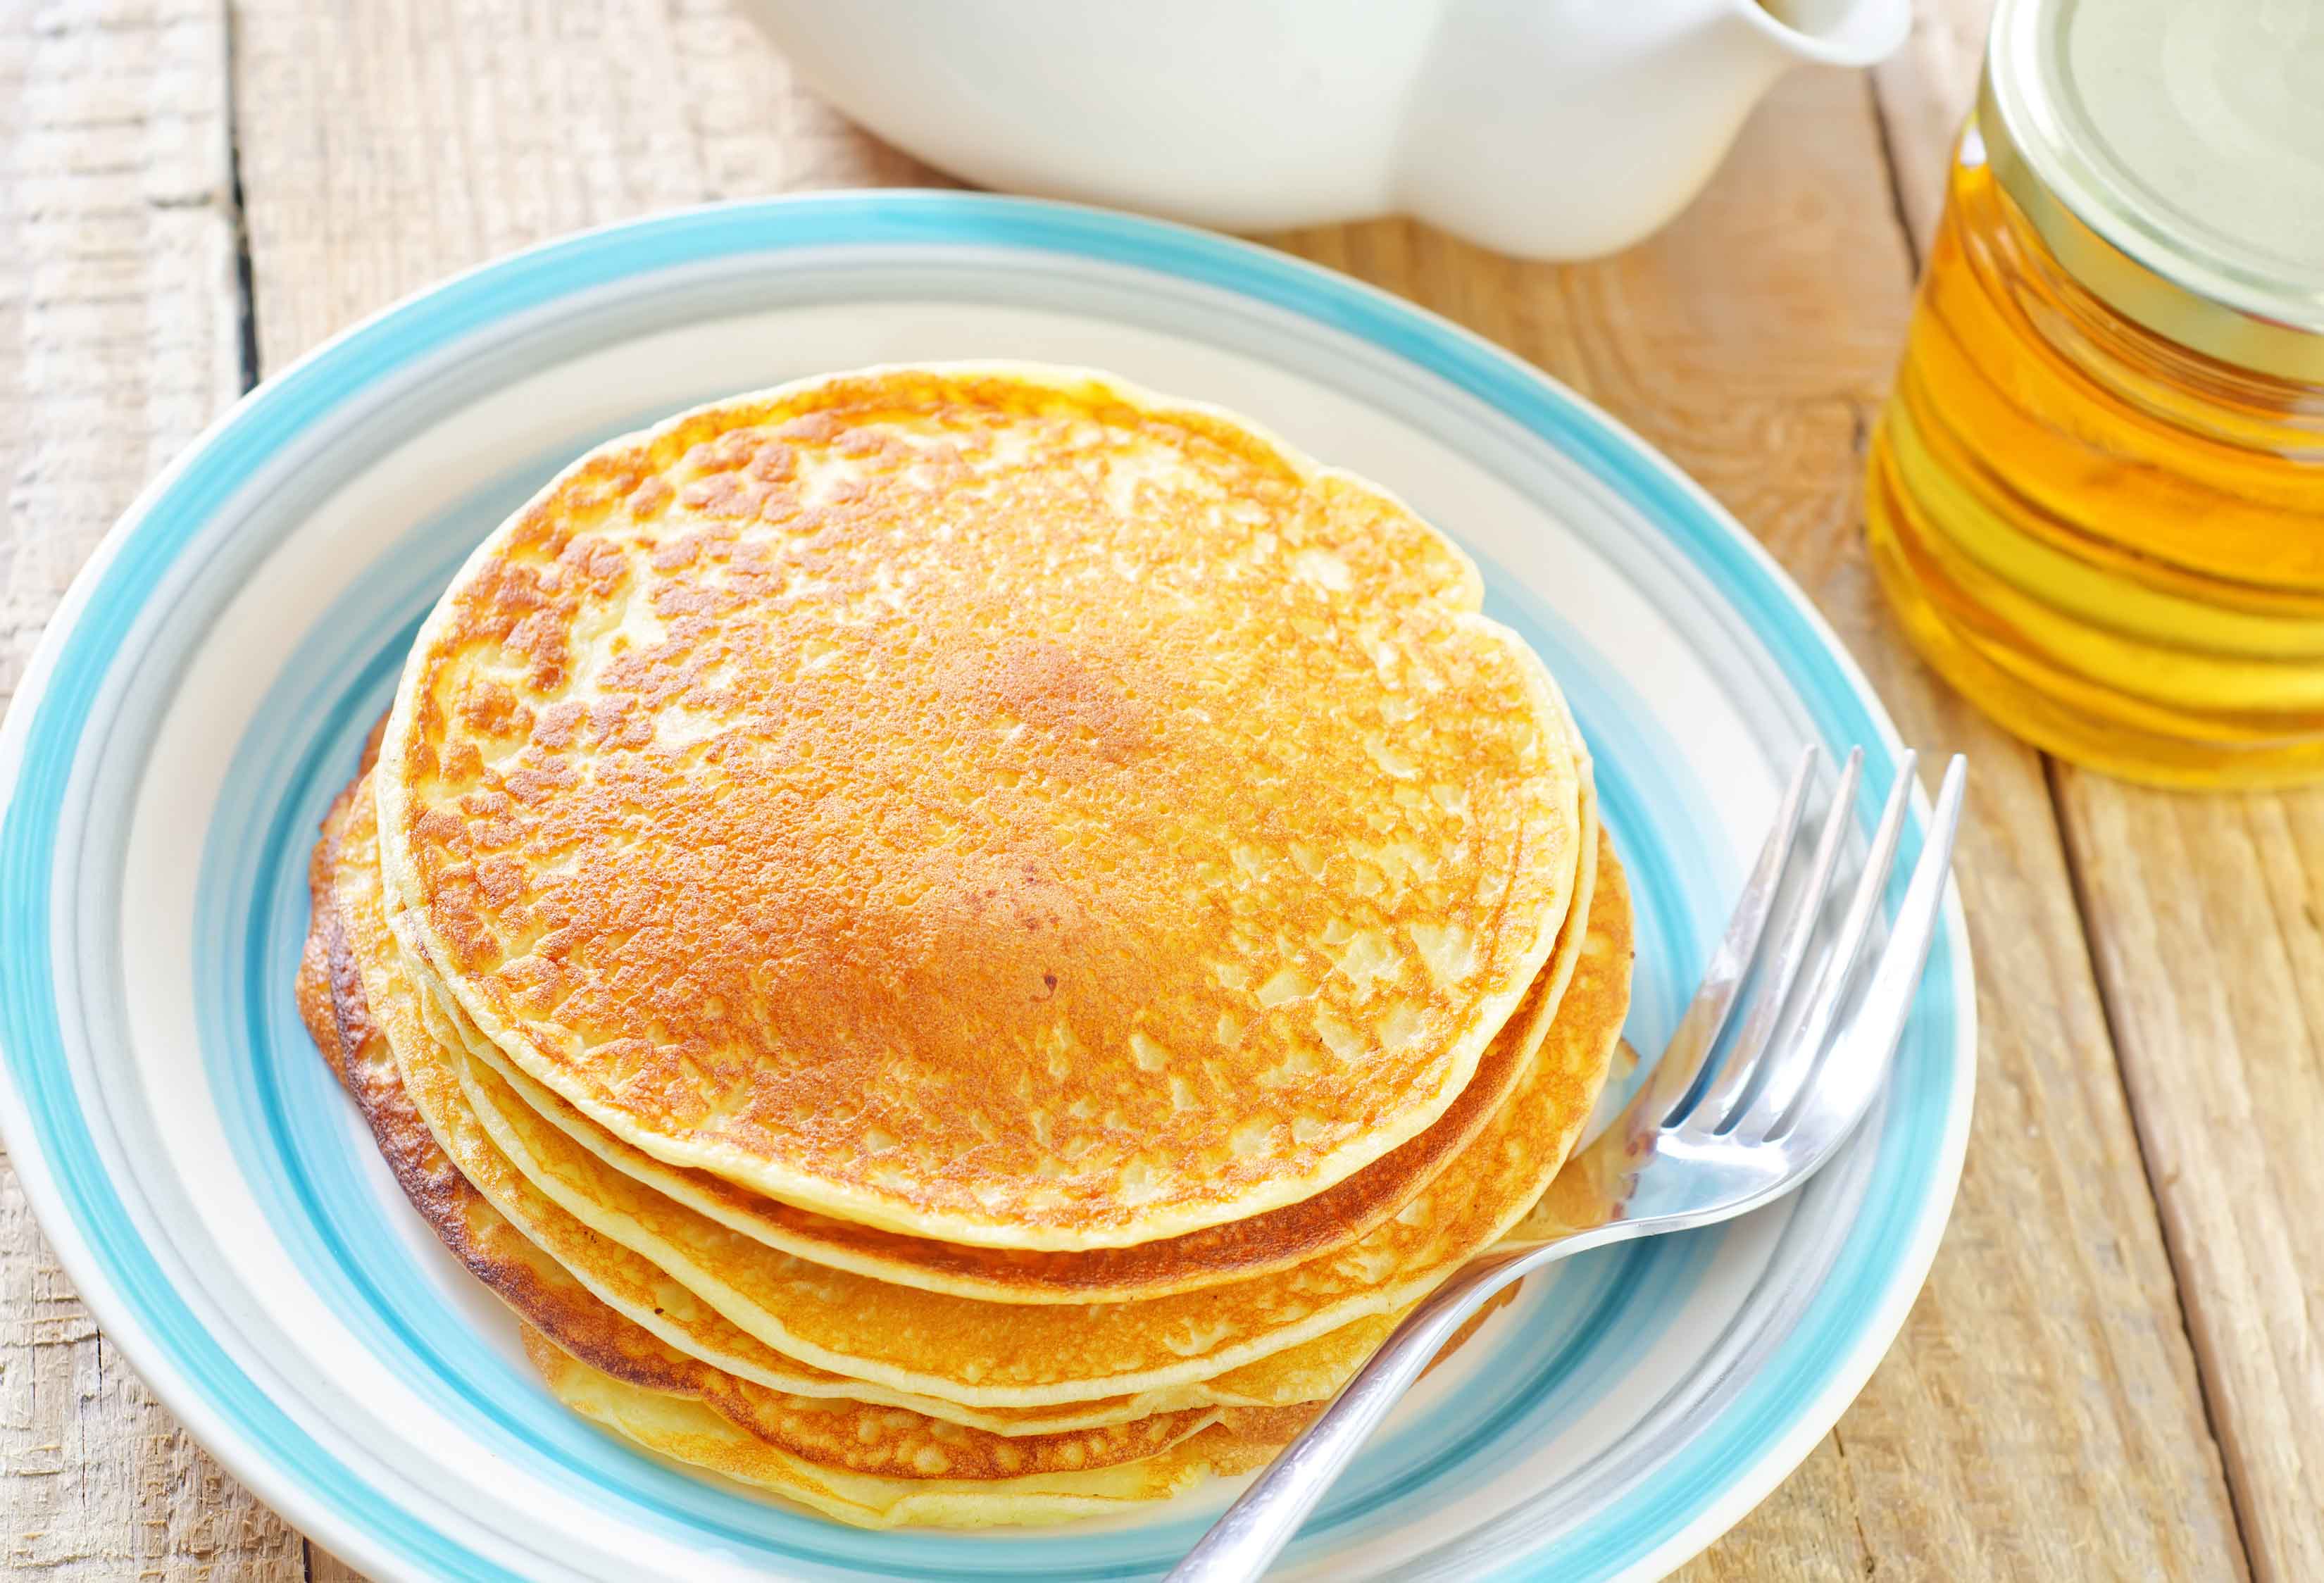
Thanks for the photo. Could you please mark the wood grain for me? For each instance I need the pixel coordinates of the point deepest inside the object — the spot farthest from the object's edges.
(323, 1567)
(119, 339)
(1925, 91)
(2208, 921)
(375, 161)
(2206, 916)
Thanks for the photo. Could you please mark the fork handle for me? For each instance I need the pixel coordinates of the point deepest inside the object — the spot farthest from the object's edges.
(1256, 1527)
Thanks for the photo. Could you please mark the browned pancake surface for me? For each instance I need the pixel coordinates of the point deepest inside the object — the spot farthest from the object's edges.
(995, 806)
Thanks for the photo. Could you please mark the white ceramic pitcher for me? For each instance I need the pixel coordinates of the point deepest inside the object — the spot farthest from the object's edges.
(1550, 128)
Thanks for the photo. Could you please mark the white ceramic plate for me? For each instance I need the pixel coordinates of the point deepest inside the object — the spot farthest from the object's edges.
(207, 685)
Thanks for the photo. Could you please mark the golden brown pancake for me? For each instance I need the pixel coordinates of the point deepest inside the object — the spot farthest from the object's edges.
(663, 1411)
(992, 805)
(988, 1355)
(581, 1152)
(677, 1427)
(629, 1317)
(1274, 1240)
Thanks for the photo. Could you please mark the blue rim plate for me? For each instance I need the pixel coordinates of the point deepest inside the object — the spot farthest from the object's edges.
(205, 687)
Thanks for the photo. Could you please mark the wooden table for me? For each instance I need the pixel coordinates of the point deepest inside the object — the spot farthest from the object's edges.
(2118, 1367)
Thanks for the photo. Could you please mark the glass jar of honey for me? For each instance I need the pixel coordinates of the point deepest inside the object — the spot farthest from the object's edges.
(2096, 494)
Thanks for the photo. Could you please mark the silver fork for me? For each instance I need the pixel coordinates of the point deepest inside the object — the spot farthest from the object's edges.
(1799, 1074)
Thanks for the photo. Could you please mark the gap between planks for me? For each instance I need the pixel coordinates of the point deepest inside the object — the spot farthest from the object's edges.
(2205, 1374)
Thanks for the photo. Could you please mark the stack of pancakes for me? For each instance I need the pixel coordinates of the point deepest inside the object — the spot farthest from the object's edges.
(959, 943)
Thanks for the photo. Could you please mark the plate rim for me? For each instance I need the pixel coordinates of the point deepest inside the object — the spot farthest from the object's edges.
(905, 216)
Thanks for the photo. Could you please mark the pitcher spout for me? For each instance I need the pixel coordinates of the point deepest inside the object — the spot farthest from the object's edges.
(1833, 33)
(1564, 129)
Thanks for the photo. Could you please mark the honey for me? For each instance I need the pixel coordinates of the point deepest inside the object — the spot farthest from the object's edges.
(2096, 494)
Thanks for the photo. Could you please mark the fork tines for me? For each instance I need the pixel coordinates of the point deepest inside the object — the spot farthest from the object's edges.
(1796, 978)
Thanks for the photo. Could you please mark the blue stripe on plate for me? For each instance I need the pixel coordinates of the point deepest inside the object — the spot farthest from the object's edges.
(173, 1342)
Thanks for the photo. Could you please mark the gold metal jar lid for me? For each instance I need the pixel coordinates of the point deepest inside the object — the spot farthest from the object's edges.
(2170, 154)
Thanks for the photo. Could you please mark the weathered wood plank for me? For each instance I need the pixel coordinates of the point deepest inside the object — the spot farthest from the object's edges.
(323, 1567)
(2040, 1417)
(119, 338)
(2204, 918)
(2207, 917)
(118, 319)
(374, 165)
(1925, 90)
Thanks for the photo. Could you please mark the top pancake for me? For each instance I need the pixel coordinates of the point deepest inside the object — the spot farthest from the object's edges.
(989, 803)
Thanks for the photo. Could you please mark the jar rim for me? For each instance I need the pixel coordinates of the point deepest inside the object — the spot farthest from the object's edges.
(2146, 256)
